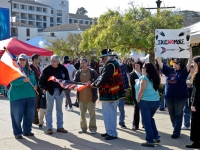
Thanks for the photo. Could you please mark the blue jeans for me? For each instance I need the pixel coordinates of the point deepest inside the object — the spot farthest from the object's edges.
(109, 110)
(175, 108)
(187, 115)
(22, 109)
(68, 98)
(50, 102)
(122, 111)
(162, 103)
(148, 109)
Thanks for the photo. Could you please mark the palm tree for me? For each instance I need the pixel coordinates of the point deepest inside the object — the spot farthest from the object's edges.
(82, 11)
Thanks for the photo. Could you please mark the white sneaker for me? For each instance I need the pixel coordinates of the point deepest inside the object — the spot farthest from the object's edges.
(92, 132)
(70, 109)
(185, 128)
(81, 131)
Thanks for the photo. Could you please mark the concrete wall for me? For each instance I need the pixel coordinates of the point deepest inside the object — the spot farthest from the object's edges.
(58, 35)
(22, 34)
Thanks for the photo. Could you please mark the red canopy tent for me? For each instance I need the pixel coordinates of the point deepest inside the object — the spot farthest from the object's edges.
(16, 47)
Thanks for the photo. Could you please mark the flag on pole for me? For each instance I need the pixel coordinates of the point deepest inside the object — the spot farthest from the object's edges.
(9, 69)
(65, 84)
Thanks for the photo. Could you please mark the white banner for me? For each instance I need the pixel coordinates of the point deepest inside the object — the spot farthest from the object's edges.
(172, 43)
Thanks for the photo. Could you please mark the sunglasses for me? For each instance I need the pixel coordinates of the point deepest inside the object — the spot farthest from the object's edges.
(22, 59)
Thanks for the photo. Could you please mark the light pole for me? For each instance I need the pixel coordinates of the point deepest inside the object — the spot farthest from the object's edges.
(11, 19)
(158, 2)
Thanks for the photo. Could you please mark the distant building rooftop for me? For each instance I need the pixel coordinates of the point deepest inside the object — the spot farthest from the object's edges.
(190, 21)
(67, 27)
(79, 16)
(30, 2)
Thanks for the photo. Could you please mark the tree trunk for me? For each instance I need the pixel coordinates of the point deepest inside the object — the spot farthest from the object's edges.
(152, 58)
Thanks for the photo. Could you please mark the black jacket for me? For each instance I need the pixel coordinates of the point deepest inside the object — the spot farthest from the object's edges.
(41, 101)
(195, 98)
(133, 76)
(94, 76)
(60, 73)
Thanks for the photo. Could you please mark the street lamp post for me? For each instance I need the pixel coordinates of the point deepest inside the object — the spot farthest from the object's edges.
(158, 2)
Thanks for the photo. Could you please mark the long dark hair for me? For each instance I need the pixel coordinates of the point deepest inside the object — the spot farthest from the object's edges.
(197, 69)
(153, 75)
(27, 66)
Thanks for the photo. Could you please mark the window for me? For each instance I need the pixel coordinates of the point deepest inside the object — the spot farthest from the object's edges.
(52, 34)
(51, 19)
(51, 11)
(30, 8)
(75, 21)
(22, 7)
(27, 39)
(38, 9)
(70, 20)
(86, 22)
(27, 32)
(44, 25)
(15, 5)
(81, 21)
(44, 10)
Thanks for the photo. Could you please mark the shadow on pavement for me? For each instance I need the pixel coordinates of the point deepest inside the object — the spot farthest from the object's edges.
(39, 144)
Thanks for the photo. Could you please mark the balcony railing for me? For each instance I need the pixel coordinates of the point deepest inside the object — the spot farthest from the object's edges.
(31, 18)
(38, 19)
(59, 21)
(23, 17)
(44, 19)
(15, 34)
(40, 27)
(59, 14)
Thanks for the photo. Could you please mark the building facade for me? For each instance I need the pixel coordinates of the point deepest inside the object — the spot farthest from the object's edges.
(42, 14)
(62, 31)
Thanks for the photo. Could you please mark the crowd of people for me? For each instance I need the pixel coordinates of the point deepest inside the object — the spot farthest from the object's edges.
(181, 93)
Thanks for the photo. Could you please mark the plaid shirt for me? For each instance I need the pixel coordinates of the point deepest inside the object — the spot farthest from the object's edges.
(124, 77)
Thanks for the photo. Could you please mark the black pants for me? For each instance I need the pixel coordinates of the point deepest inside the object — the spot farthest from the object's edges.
(136, 115)
(195, 125)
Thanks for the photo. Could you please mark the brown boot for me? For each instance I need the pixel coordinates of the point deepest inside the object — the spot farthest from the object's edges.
(62, 130)
(49, 131)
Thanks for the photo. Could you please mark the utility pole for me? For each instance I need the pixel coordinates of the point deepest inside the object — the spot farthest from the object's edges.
(158, 2)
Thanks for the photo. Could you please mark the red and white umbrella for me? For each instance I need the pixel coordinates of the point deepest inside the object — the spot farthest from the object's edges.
(16, 47)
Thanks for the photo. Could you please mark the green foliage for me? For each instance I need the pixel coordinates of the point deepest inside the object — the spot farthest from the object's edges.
(132, 29)
(70, 47)
(161, 90)
(128, 98)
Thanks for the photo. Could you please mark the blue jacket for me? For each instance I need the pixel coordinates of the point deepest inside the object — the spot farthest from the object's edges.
(124, 77)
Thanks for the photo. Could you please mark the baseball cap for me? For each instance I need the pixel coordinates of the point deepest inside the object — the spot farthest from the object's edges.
(23, 56)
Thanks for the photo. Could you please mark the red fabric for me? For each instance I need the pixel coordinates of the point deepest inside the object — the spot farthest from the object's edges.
(17, 47)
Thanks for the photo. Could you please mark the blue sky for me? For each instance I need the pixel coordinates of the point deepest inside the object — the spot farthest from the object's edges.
(97, 7)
